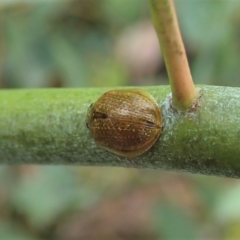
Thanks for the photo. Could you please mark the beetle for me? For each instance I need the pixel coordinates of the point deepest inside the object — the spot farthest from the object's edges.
(126, 122)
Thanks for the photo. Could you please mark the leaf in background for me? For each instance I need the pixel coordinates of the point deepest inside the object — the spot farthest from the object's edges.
(10, 2)
(227, 208)
(205, 22)
(174, 224)
(68, 63)
(11, 232)
(52, 192)
(208, 29)
(25, 40)
(121, 12)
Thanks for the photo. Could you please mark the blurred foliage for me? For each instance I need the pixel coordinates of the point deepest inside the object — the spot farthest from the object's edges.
(81, 43)
(182, 226)
(211, 30)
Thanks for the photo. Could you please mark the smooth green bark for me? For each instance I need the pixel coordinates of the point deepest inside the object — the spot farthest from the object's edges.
(47, 126)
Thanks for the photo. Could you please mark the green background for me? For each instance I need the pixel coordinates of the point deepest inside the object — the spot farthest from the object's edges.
(108, 43)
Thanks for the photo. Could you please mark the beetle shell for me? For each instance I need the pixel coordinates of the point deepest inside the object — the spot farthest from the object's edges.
(125, 122)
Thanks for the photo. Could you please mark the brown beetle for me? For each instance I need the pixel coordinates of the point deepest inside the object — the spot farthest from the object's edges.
(125, 122)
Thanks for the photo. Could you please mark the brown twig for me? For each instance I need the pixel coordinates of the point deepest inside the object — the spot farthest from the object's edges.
(166, 24)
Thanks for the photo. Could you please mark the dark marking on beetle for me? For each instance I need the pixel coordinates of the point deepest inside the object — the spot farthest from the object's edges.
(100, 115)
(150, 124)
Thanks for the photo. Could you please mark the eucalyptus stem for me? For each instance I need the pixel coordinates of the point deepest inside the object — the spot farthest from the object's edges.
(48, 126)
(165, 20)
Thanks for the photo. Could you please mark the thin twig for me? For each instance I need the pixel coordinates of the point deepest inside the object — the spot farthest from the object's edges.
(166, 24)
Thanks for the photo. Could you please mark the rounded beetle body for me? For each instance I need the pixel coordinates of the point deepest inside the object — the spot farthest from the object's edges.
(125, 122)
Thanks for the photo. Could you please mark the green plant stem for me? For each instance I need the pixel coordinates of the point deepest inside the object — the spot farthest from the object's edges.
(165, 20)
(48, 127)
